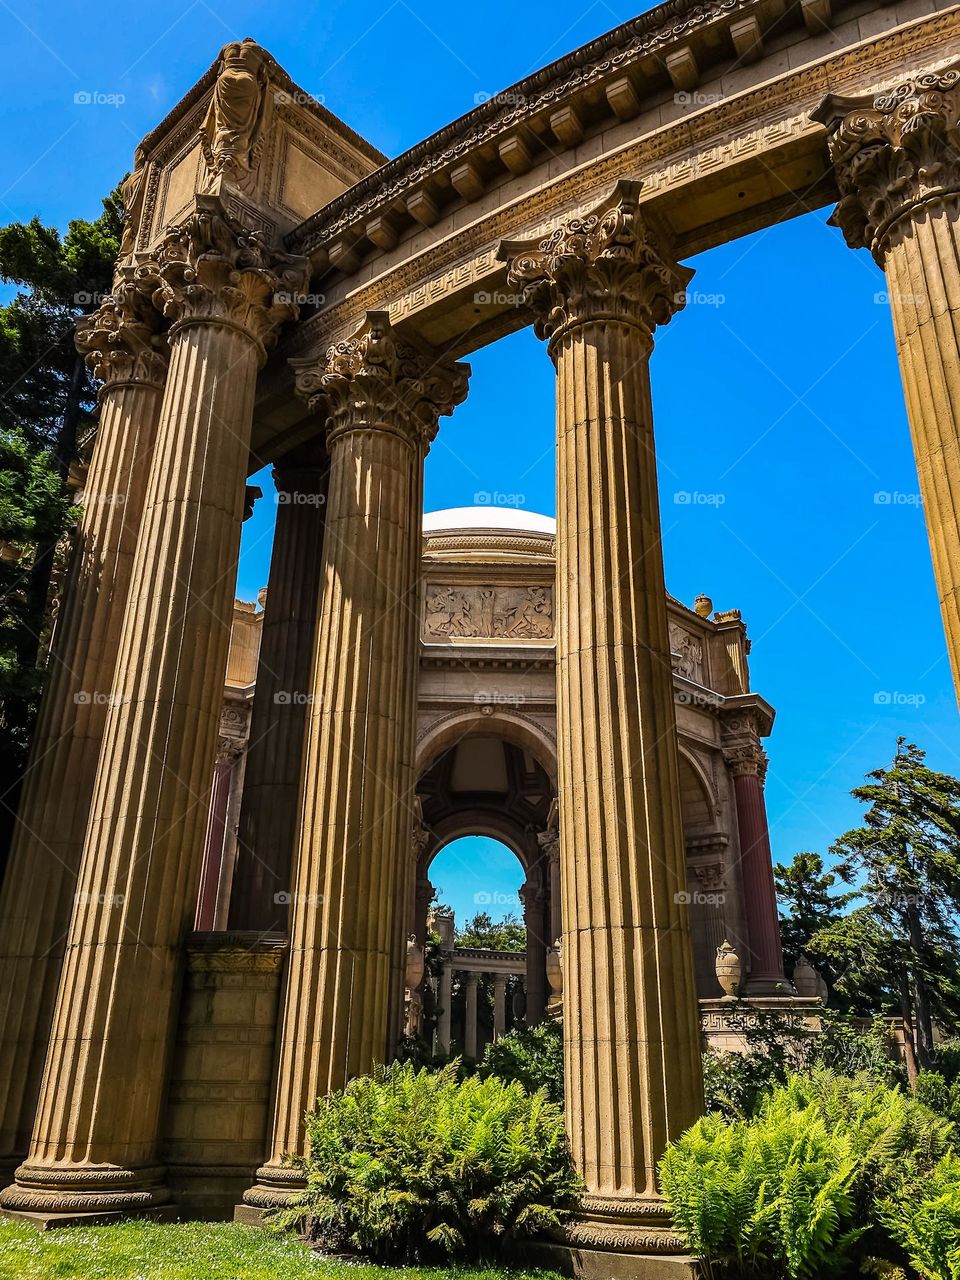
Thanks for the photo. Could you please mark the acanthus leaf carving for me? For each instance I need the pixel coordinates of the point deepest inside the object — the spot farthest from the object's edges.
(891, 153)
(213, 269)
(121, 340)
(604, 265)
(376, 379)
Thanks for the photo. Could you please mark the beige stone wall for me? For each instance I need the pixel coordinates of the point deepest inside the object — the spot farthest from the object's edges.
(217, 1110)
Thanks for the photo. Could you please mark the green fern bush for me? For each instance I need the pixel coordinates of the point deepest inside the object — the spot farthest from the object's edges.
(793, 1192)
(924, 1219)
(531, 1055)
(407, 1165)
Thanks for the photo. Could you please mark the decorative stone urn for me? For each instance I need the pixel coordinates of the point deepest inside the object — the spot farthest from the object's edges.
(415, 963)
(519, 1004)
(729, 970)
(413, 976)
(554, 979)
(703, 606)
(806, 979)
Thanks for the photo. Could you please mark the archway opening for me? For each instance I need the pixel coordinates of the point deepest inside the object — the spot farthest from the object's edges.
(477, 946)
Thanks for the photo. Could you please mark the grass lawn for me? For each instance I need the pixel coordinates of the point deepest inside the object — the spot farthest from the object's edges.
(193, 1251)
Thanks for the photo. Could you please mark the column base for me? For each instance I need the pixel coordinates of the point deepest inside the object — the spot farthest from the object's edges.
(51, 1191)
(602, 1264)
(768, 985)
(622, 1224)
(53, 1221)
(275, 1187)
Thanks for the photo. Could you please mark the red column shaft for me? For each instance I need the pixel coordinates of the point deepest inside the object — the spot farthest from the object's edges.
(760, 897)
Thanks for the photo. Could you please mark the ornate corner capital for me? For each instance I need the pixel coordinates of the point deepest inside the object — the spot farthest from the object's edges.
(608, 265)
(121, 340)
(892, 153)
(230, 750)
(711, 876)
(743, 759)
(212, 270)
(376, 379)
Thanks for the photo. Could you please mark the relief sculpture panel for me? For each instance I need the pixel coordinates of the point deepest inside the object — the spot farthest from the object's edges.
(487, 612)
(686, 652)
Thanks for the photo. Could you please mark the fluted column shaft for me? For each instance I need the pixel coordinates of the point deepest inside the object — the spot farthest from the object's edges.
(897, 163)
(444, 999)
(95, 1139)
(499, 1005)
(598, 288)
(268, 812)
(923, 273)
(38, 890)
(357, 805)
(632, 1040)
(213, 846)
(470, 1016)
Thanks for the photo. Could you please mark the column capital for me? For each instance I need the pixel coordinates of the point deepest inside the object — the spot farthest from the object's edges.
(377, 379)
(212, 270)
(606, 265)
(121, 340)
(893, 153)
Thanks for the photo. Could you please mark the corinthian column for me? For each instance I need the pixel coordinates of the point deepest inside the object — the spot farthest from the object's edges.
(383, 400)
(598, 288)
(268, 811)
(122, 348)
(746, 760)
(897, 164)
(95, 1140)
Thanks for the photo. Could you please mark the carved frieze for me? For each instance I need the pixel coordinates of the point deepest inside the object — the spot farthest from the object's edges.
(487, 612)
(686, 653)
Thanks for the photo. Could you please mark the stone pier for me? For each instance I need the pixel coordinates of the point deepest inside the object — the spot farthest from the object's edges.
(124, 347)
(95, 1143)
(598, 287)
(382, 400)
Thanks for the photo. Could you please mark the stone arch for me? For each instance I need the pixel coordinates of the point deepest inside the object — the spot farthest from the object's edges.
(513, 726)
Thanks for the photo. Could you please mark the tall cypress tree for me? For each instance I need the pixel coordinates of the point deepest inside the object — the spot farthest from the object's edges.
(902, 945)
(47, 402)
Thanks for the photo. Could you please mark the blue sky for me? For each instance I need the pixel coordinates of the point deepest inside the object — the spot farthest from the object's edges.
(778, 402)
